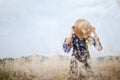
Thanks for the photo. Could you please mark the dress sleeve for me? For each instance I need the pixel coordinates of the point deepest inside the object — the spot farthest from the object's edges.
(96, 44)
(67, 48)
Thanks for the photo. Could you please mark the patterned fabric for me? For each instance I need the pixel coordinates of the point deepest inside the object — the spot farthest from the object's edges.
(80, 49)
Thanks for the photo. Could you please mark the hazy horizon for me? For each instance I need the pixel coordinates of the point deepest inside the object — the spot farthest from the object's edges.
(36, 26)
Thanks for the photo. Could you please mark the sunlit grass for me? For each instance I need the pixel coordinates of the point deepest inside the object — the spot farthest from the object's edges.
(56, 68)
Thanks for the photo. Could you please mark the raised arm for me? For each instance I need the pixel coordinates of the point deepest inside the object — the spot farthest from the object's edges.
(69, 38)
(68, 43)
(94, 41)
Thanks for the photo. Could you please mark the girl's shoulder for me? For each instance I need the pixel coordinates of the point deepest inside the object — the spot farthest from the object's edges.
(73, 35)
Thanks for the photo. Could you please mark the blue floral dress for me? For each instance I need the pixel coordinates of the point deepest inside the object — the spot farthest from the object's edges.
(80, 49)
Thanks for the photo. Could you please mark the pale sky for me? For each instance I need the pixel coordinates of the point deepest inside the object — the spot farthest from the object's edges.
(40, 26)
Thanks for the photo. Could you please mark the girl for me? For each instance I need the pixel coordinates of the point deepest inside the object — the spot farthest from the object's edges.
(79, 39)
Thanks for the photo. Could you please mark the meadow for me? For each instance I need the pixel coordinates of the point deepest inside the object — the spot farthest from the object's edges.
(56, 67)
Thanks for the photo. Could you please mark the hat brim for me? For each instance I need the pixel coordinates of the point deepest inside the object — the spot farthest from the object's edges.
(82, 35)
(78, 30)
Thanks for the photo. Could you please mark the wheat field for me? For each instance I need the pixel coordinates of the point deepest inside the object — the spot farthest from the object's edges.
(56, 68)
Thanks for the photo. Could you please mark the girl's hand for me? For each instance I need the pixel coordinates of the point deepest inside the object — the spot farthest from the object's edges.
(95, 34)
(69, 38)
(72, 29)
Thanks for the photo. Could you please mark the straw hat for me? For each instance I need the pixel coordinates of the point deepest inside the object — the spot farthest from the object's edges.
(82, 28)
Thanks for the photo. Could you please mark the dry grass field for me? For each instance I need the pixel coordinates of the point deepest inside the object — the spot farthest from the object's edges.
(56, 67)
